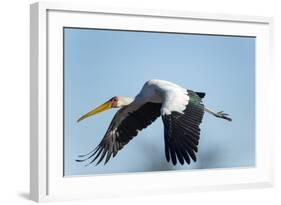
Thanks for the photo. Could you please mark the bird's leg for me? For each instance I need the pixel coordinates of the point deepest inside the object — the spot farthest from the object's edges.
(220, 114)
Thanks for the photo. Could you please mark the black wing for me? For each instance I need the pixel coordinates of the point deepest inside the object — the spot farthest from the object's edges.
(182, 132)
(122, 129)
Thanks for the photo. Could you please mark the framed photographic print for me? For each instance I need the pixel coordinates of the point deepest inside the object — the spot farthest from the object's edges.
(148, 101)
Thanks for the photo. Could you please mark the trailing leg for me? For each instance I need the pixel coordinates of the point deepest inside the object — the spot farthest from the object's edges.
(220, 114)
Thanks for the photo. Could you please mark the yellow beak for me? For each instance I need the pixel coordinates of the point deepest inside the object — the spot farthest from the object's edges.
(105, 106)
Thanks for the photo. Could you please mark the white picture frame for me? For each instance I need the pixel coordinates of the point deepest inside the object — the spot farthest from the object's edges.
(46, 179)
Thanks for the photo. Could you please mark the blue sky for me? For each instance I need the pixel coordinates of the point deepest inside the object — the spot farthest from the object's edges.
(99, 64)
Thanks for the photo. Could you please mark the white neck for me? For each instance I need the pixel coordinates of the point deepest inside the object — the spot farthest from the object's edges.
(122, 100)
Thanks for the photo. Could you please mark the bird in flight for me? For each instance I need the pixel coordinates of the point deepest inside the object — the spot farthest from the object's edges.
(181, 111)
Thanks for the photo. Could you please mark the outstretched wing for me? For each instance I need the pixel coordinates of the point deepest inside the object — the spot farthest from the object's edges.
(182, 132)
(123, 127)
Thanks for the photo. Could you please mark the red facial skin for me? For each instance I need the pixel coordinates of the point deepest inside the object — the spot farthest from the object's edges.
(114, 101)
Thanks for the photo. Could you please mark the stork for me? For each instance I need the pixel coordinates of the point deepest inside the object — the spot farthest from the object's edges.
(181, 110)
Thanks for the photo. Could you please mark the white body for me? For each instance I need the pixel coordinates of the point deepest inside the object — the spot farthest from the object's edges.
(173, 97)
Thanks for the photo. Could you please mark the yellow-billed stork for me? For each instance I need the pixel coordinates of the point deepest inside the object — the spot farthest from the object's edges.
(181, 110)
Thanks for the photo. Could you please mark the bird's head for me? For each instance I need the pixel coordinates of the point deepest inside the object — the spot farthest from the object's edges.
(114, 102)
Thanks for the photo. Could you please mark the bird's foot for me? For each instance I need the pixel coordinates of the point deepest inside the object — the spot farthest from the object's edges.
(223, 115)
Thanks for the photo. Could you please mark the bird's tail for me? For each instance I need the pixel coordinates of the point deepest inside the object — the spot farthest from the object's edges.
(200, 94)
